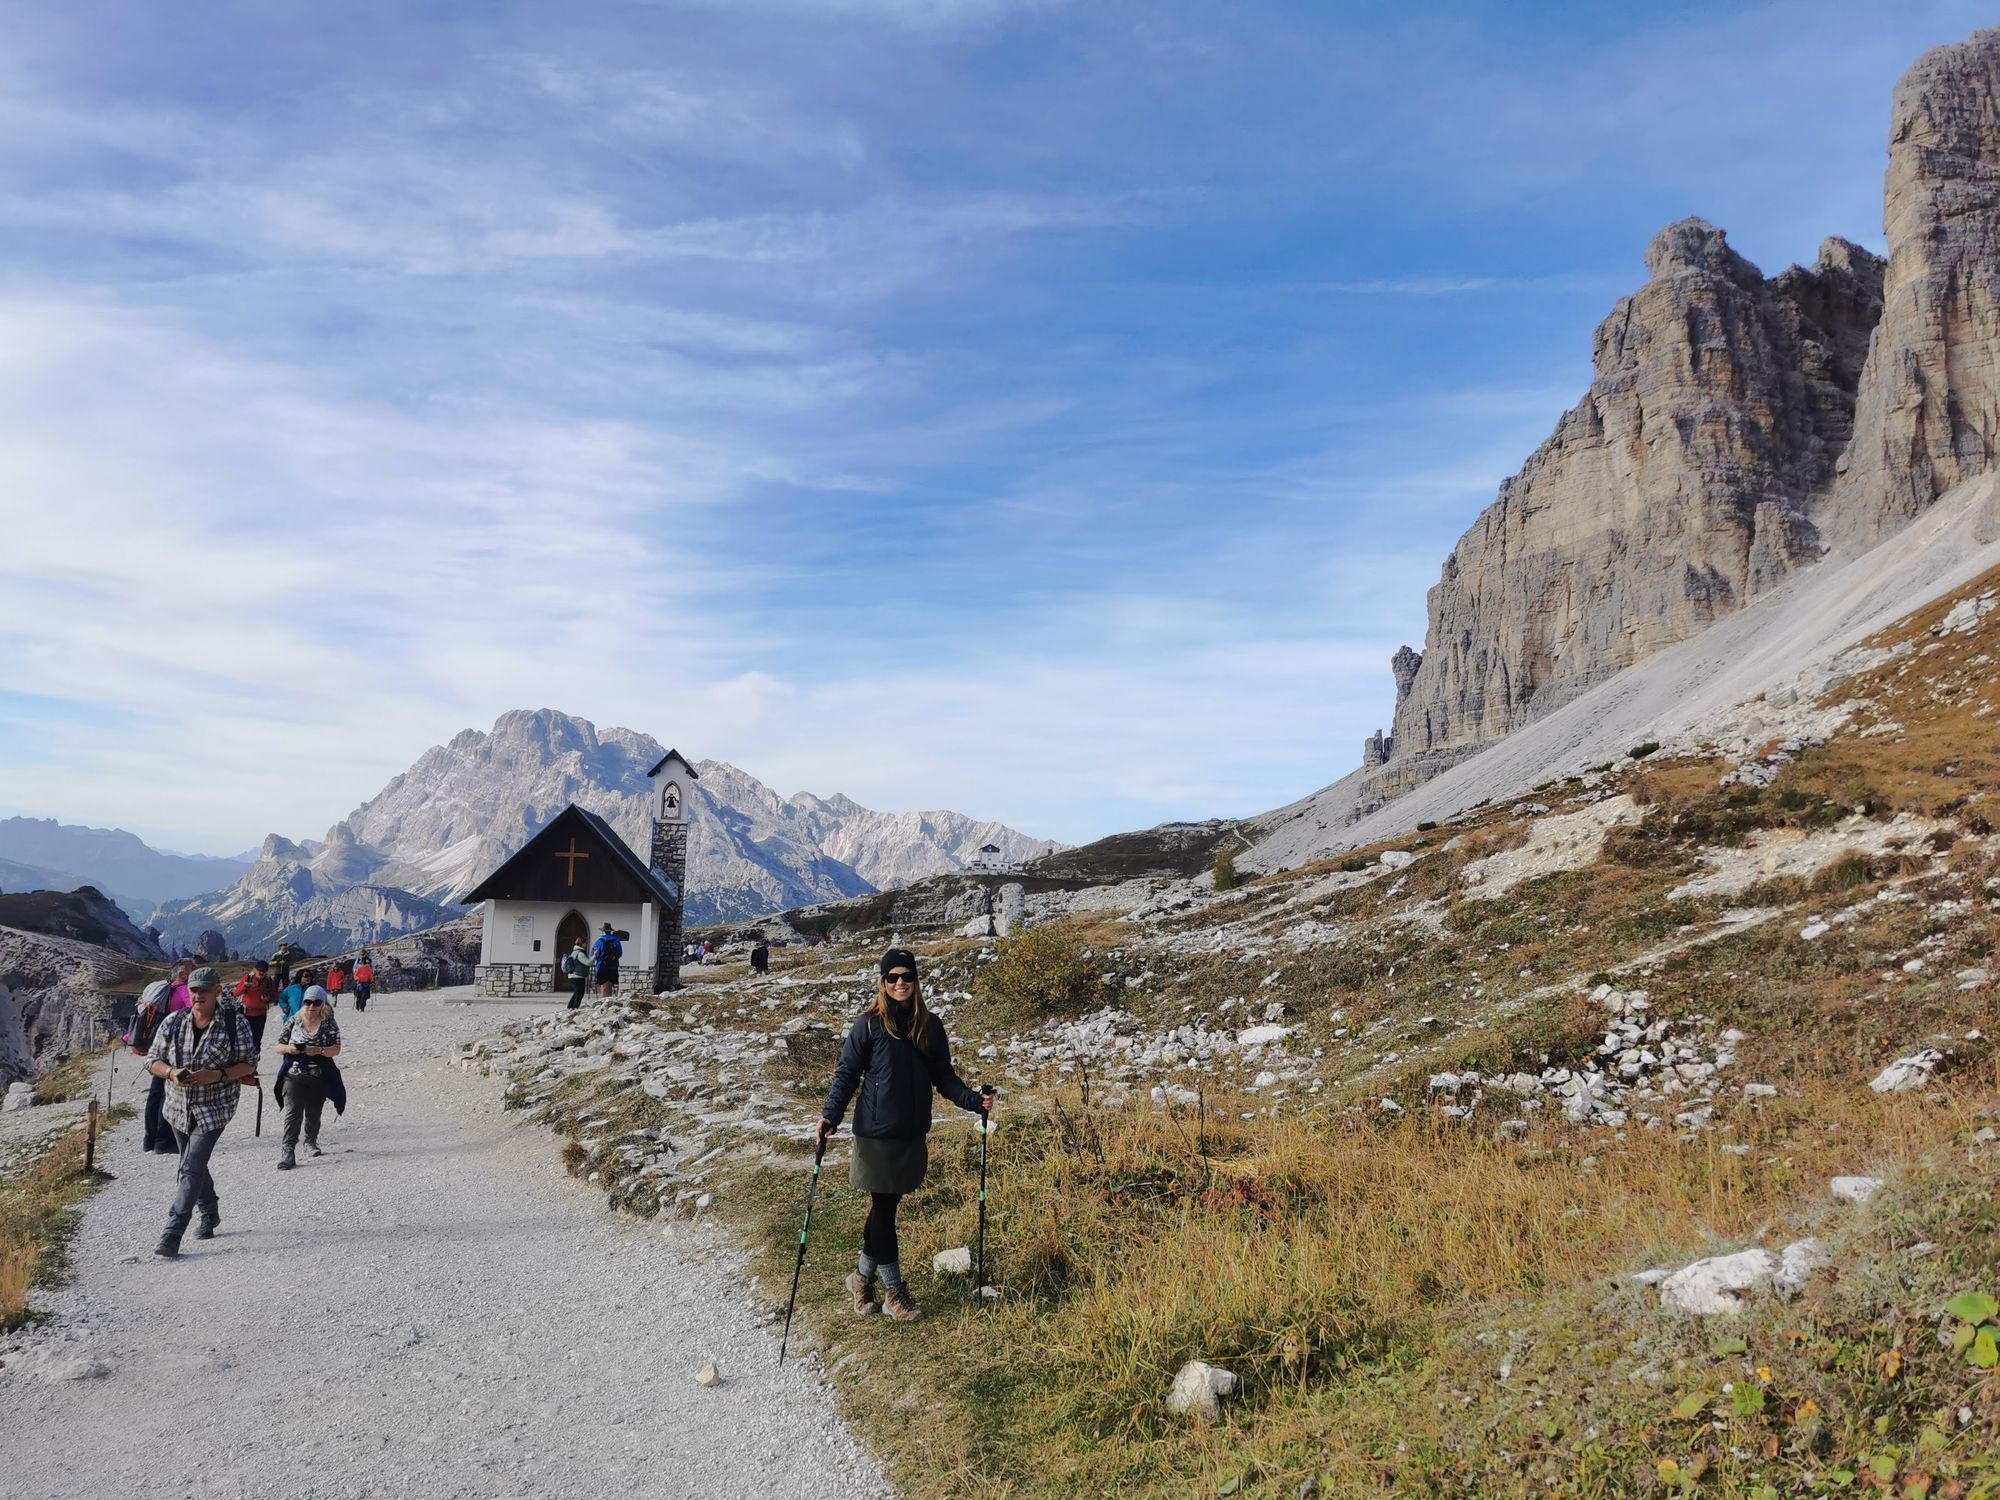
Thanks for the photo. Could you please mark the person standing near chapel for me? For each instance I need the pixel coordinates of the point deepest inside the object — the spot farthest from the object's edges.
(576, 969)
(605, 954)
(202, 1055)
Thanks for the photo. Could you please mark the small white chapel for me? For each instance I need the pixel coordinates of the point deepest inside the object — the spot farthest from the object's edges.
(575, 876)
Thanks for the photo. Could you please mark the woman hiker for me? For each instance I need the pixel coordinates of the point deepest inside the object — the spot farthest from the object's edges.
(576, 969)
(307, 1077)
(895, 1054)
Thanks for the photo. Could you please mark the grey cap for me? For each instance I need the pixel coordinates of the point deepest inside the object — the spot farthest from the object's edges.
(207, 977)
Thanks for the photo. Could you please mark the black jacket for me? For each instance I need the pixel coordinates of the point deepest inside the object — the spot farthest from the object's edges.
(895, 1078)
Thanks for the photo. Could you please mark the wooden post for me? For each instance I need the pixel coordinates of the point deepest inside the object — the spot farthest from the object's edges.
(90, 1139)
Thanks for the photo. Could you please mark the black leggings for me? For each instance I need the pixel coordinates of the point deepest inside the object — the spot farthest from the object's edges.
(878, 1231)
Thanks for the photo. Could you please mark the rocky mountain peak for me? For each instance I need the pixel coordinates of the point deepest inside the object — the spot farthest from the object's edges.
(1928, 411)
(1696, 247)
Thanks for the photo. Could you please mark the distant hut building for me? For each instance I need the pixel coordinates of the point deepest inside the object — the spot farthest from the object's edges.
(565, 884)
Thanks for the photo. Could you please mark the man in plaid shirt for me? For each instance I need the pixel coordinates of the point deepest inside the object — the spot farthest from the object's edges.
(204, 1053)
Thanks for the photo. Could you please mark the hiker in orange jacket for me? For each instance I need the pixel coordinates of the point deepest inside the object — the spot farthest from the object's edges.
(336, 980)
(254, 992)
(364, 981)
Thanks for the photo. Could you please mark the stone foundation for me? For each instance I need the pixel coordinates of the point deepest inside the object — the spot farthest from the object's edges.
(539, 979)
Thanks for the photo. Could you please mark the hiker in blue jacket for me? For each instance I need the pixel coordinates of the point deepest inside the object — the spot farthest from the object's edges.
(896, 1052)
(604, 956)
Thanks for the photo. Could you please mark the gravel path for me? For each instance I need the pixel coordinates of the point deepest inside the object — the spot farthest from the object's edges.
(431, 1309)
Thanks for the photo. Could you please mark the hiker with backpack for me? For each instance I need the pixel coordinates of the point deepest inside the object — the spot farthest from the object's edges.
(364, 981)
(308, 1076)
(159, 1000)
(203, 1055)
(576, 969)
(604, 954)
(254, 992)
(282, 961)
(895, 1054)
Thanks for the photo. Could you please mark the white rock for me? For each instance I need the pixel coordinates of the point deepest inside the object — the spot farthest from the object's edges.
(1390, 1107)
(1444, 1083)
(1261, 1036)
(956, 1261)
(1397, 859)
(1800, 1259)
(19, 1096)
(1264, 1079)
(709, 1376)
(1717, 1286)
(1759, 1091)
(1199, 1388)
(1855, 1189)
(1911, 1072)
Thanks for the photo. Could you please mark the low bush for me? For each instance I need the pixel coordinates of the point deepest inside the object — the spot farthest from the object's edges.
(1226, 878)
(1045, 971)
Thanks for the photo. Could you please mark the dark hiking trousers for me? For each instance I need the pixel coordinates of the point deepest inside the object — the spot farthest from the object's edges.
(304, 1097)
(193, 1188)
(576, 990)
(156, 1136)
(256, 1029)
(878, 1230)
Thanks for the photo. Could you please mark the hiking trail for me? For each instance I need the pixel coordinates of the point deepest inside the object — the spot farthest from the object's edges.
(432, 1309)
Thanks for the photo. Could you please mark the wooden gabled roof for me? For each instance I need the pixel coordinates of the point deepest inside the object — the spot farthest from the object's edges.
(576, 857)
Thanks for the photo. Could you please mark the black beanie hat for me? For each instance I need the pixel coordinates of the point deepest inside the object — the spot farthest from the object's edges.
(899, 958)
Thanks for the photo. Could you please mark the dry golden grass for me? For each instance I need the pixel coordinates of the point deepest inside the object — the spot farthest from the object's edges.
(37, 1216)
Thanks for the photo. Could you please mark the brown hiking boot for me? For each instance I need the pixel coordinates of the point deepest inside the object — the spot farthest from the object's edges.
(862, 1290)
(897, 1303)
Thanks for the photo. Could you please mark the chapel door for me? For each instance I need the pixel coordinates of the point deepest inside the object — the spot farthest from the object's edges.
(569, 930)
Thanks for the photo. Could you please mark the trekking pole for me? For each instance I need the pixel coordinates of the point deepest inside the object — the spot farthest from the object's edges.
(812, 1193)
(985, 1133)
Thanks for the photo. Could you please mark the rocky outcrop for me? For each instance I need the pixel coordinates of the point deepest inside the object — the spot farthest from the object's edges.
(85, 915)
(1676, 491)
(57, 997)
(1928, 414)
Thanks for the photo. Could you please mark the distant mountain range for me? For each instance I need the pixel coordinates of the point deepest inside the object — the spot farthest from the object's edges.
(42, 854)
(398, 863)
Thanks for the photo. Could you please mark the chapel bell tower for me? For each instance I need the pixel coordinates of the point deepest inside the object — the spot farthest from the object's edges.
(673, 778)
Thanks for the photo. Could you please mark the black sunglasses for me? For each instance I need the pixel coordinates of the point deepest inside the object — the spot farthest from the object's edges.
(901, 976)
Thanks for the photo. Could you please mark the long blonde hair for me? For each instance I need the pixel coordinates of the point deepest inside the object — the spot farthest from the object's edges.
(884, 1010)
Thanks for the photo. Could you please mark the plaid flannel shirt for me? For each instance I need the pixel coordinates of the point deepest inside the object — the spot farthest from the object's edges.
(205, 1106)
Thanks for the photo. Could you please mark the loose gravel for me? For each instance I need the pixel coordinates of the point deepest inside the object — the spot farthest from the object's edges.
(432, 1309)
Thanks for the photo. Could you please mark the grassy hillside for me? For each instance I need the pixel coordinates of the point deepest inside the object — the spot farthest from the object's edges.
(1391, 1138)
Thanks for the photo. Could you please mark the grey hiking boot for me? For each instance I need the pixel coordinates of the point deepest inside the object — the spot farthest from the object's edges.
(862, 1290)
(287, 1160)
(170, 1245)
(313, 1146)
(204, 1226)
(897, 1303)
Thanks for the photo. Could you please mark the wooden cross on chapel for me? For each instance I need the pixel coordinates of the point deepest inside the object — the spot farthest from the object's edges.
(572, 854)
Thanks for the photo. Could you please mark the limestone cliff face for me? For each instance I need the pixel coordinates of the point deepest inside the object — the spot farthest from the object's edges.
(1674, 492)
(1930, 398)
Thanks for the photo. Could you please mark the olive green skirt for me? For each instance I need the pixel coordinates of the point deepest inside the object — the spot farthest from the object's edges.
(887, 1166)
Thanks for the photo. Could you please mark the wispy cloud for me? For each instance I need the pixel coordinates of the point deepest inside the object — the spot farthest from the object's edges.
(1052, 411)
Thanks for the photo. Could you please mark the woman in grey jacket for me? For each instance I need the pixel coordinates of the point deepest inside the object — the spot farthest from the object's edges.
(895, 1054)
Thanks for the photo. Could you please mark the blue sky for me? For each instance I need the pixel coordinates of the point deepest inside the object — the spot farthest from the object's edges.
(1051, 411)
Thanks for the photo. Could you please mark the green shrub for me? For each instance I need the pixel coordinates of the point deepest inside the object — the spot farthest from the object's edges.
(1644, 749)
(1226, 878)
(1426, 827)
(1044, 971)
